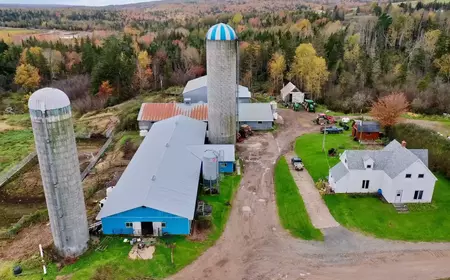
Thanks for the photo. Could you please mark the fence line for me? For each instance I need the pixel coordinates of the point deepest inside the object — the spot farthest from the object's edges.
(96, 158)
(11, 172)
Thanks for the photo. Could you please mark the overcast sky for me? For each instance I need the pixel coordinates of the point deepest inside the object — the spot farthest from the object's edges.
(74, 2)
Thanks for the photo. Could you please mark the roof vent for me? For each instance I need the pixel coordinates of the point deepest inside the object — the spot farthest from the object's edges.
(154, 178)
(167, 145)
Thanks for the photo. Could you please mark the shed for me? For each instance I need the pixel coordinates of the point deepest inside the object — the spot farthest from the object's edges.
(226, 155)
(366, 130)
(290, 93)
(157, 192)
(197, 91)
(258, 116)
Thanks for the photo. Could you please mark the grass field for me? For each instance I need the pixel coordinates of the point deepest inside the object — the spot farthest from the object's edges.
(114, 263)
(291, 208)
(317, 162)
(14, 145)
(424, 222)
(6, 34)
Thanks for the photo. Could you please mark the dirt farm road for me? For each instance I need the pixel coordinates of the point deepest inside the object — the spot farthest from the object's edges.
(255, 246)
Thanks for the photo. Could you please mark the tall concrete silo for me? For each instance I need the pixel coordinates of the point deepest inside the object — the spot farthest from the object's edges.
(222, 82)
(51, 118)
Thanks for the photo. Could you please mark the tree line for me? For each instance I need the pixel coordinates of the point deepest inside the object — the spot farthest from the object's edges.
(345, 58)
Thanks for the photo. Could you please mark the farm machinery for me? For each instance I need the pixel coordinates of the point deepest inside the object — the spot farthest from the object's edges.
(244, 132)
(323, 119)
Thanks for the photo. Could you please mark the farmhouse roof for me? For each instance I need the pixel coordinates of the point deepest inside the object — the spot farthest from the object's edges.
(393, 159)
(163, 174)
(338, 171)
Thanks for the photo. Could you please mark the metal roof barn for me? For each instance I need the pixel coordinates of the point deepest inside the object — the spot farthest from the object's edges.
(163, 174)
(197, 90)
(255, 112)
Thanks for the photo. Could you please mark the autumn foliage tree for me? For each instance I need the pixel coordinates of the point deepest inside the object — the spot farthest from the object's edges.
(388, 109)
(27, 76)
(309, 69)
(277, 66)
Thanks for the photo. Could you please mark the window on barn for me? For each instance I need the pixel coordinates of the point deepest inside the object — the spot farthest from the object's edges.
(128, 225)
(163, 225)
(223, 165)
(421, 175)
(369, 166)
(259, 122)
(418, 195)
(408, 176)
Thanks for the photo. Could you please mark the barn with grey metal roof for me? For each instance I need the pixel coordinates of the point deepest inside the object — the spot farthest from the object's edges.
(197, 91)
(158, 190)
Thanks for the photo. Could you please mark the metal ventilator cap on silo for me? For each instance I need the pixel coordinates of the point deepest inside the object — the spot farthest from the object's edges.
(222, 83)
(51, 118)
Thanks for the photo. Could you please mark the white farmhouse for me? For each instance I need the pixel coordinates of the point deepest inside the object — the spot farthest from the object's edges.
(401, 175)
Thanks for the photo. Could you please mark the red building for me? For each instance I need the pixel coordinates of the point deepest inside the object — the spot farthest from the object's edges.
(366, 130)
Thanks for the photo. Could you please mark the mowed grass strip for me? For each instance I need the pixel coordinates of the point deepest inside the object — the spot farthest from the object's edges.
(291, 208)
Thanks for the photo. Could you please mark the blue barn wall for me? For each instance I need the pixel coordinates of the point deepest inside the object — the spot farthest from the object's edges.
(115, 224)
(226, 167)
(258, 125)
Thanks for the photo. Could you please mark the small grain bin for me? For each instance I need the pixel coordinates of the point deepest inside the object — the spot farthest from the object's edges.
(210, 169)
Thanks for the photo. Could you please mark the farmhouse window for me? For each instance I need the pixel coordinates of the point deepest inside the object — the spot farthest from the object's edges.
(418, 195)
(408, 176)
(421, 175)
(365, 184)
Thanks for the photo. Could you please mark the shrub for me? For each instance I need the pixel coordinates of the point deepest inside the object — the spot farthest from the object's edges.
(422, 138)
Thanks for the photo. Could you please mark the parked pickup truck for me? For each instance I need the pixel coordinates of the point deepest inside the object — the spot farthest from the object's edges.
(297, 163)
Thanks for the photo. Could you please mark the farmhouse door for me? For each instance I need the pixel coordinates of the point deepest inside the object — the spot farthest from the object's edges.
(398, 196)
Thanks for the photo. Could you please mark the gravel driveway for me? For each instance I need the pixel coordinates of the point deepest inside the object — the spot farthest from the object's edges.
(315, 206)
(255, 246)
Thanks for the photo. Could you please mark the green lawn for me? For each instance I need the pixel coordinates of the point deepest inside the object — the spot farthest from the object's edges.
(114, 263)
(367, 214)
(309, 148)
(426, 222)
(291, 208)
(14, 146)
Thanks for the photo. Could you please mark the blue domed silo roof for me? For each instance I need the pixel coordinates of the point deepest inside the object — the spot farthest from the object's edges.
(221, 32)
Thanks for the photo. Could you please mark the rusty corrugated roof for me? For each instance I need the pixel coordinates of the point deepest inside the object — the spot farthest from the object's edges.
(162, 111)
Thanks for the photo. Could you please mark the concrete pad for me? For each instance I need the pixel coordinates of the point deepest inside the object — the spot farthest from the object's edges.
(315, 206)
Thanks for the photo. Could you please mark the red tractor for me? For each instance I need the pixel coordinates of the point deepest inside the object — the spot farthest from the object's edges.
(323, 119)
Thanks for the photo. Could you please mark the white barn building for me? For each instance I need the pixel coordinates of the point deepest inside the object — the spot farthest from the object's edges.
(401, 175)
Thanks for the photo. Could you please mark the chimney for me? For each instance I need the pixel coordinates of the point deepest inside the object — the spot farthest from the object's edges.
(187, 101)
(404, 144)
